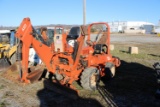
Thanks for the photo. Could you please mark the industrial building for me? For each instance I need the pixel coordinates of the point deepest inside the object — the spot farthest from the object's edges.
(131, 27)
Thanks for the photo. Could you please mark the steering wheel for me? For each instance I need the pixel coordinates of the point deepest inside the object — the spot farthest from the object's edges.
(89, 42)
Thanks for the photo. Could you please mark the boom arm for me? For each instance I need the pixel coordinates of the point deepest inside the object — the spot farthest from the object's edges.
(25, 34)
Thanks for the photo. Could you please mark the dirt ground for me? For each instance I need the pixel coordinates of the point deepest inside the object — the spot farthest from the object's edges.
(134, 84)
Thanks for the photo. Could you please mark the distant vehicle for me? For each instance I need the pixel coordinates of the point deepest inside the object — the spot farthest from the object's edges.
(8, 48)
(156, 30)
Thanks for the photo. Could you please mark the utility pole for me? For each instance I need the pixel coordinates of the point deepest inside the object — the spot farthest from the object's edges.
(84, 12)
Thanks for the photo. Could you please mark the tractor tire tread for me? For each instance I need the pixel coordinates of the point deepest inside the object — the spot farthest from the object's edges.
(85, 81)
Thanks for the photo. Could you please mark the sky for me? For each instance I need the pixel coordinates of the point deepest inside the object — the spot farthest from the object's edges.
(44, 12)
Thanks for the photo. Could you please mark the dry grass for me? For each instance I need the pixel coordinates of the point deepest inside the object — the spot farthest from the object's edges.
(148, 53)
(133, 85)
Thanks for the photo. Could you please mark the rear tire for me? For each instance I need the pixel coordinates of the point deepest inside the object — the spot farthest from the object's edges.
(110, 70)
(90, 78)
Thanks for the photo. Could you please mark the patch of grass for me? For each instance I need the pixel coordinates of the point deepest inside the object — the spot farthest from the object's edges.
(143, 55)
(2, 86)
(3, 104)
(77, 85)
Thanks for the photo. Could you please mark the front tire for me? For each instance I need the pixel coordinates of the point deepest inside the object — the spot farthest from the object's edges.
(90, 78)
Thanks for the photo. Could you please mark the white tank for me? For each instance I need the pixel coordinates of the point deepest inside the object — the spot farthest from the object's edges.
(33, 57)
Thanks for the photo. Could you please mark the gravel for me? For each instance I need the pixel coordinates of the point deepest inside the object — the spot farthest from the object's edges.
(135, 38)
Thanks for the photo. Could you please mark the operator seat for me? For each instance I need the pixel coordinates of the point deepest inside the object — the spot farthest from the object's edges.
(72, 40)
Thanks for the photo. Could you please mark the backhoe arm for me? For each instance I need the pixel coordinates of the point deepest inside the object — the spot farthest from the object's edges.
(26, 35)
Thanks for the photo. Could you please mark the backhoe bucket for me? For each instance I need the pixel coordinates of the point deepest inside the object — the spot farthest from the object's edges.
(14, 73)
(4, 64)
(36, 73)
